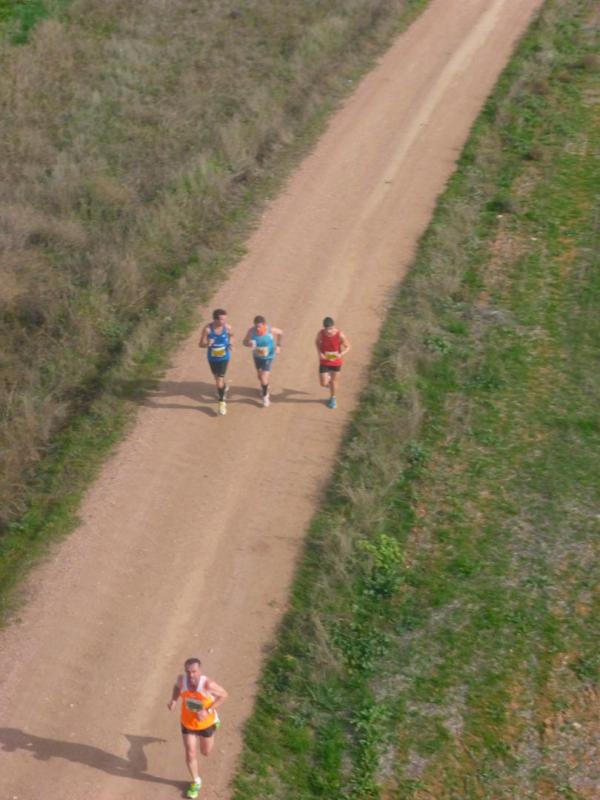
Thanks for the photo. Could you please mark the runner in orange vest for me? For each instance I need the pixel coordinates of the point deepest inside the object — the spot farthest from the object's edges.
(200, 698)
(332, 345)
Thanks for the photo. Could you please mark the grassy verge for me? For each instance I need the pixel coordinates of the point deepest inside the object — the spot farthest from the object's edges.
(19, 17)
(442, 639)
(140, 143)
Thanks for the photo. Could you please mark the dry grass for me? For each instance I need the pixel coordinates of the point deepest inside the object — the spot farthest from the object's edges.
(132, 133)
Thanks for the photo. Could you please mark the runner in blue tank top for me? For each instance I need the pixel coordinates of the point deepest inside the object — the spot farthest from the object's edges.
(217, 338)
(265, 342)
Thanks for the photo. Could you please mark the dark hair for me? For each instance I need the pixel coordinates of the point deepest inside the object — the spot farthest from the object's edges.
(190, 661)
(328, 322)
(258, 320)
(219, 312)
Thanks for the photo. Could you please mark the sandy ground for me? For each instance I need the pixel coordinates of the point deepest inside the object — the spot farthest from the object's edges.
(189, 538)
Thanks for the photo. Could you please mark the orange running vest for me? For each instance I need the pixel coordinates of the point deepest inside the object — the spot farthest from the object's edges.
(192, 700)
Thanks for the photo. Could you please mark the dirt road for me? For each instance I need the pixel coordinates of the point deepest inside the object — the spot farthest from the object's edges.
(189, 538)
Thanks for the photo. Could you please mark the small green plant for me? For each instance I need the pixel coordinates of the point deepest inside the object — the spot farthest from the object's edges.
(361, 645)
(384, 566)
(437, 344)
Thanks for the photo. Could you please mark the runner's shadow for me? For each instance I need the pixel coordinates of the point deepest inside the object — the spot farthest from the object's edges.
(200, 392)
(292, 396)
(134, 765)
(197, 391)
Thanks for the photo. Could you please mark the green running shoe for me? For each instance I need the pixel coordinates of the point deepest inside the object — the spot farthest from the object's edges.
(193, 790)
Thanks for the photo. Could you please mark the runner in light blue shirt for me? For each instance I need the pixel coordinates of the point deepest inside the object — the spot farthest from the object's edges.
(265, 341)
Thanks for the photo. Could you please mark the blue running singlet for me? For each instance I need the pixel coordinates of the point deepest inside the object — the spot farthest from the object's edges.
(218, 345)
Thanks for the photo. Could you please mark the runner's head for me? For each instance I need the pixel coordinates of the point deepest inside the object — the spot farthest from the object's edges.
(192, 669)
(219, 315)
(260, 323)
(328, 322)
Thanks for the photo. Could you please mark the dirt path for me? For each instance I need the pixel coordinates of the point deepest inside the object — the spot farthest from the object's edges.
(189, 538)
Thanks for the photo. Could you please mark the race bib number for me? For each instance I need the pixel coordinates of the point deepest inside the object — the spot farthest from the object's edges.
(193, 705)
(261, 352)
(332, 356)
(218, 352)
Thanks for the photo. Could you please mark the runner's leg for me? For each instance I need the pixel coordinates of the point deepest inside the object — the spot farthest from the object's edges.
(191, 758)
(206, 744)
(333, 383)
(263, 374)
(263, 377)
(325, 378)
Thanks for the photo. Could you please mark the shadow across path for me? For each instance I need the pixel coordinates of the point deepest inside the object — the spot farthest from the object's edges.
(133, 766)
(200, 393)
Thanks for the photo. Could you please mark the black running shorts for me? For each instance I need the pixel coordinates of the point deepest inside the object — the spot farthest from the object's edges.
(218, 368)
(205, 732)
(329, 368)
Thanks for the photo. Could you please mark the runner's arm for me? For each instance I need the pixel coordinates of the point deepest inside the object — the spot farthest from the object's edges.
(247, 341)
(318, 345)
(218, 692)
(204, 337)
(278, 334)
(344, 344)
(175, 694)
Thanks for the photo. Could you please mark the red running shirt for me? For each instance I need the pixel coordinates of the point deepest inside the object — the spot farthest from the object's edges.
(330, 345)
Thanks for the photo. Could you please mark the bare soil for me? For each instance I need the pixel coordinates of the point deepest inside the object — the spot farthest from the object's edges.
(189, 539)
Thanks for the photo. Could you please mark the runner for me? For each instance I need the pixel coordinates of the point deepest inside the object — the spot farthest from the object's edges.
(332, 345)
(217, 336)
(200, 697)
(265, 342)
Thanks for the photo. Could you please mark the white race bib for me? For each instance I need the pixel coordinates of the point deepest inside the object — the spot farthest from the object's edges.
(218, 352)
(261, 352)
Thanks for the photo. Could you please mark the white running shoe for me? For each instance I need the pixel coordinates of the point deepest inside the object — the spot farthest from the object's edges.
(266, 401)
(222, 408)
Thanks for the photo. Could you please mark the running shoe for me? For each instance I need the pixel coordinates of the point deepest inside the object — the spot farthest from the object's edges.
(222, 408)
(332, 403)
(266, 401)
(193, 790)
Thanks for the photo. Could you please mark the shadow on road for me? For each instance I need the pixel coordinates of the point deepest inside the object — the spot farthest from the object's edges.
(133, 766)
(200, 392)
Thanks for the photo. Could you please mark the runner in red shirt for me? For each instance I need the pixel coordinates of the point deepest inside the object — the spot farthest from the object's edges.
(332, 345)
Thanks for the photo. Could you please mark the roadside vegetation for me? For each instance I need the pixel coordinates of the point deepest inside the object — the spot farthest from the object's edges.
(138, 143)
(442, 640)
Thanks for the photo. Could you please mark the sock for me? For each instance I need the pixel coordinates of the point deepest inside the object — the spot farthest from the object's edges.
(265, 389)
(222, 393)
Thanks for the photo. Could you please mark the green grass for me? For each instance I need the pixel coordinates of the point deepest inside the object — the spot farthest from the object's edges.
(442, 637)
(19, 17)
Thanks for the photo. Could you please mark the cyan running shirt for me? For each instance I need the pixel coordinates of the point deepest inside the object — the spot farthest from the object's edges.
(264, 344)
